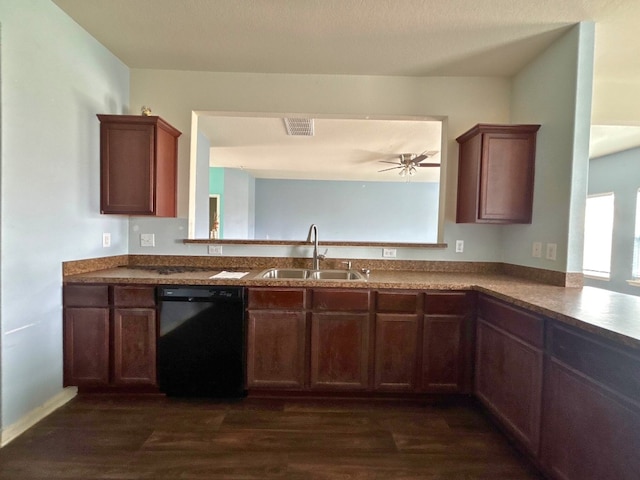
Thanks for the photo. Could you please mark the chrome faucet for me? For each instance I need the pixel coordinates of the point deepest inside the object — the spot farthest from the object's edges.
(313, 230)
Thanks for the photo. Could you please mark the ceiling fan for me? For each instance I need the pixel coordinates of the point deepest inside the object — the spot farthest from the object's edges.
(407, 162)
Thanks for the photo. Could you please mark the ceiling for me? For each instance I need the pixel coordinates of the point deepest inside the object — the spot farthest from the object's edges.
(339, 149)
(361, 37)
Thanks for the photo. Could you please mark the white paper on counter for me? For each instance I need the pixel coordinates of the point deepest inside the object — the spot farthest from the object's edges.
(225, 274)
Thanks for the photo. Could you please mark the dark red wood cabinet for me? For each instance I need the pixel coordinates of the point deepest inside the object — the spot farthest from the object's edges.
(508, 369)
(447, 342)
(340, 339)
(110, 337)
(496, 165)
(397, 324)
(424, 341)
(591, 422)
(276, 339)
(138, 165)
(355, 340)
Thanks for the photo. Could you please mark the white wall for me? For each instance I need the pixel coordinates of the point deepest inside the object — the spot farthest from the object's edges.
(201, 181)
(555, 91)
(55, 78)
(239, 209)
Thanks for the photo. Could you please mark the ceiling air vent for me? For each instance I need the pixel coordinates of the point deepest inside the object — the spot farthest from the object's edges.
(301, 127)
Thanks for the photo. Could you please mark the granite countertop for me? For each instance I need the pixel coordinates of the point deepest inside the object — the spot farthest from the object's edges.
(612, 315)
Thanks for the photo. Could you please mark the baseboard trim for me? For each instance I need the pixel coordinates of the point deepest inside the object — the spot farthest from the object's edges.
(16, 429)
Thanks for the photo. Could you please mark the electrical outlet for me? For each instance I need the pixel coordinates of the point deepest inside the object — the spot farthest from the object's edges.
(459, 246)
(215, 249)
(106, 240)
(389, 253)
(551, 251)
(147, 240)
(536, 250)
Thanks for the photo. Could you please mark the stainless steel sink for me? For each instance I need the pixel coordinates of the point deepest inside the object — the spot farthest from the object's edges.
(285, 273)
(335, 275)
(306, 274)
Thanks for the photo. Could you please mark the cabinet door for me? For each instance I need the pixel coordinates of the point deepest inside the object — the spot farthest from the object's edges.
(447, 342)
(506, 191)
(134, 346)
(589, 432)
(509, 382)
(276, 349)
(339, 351)
(127, 168)
(495, 174)
(395, 351)
(443, 354)
(86, 346)
(138, 165)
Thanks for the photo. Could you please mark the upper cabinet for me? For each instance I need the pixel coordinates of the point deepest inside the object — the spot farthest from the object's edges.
(138, 165)
(495, 174)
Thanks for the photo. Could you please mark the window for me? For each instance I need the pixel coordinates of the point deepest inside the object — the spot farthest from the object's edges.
(598, 231)
(636, 241)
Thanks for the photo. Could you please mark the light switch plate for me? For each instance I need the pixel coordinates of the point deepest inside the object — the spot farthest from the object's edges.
(459, 246)
(147, 240)
(215, 249)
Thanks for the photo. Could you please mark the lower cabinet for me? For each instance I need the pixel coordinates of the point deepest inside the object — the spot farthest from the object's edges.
(134, 346)
(86, 346)
(340, 321)
(397, 328)
(447, 342)
(276, 338)
(591, 424)
(110, 337)
(355, 340)
(508, 369)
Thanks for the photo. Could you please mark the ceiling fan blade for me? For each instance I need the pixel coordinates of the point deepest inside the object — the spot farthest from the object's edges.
(387, 161)
(387, 169)
(428, 165)
(423, 156)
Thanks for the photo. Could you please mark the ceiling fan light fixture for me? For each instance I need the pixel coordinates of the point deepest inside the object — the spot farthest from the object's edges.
(299, 127)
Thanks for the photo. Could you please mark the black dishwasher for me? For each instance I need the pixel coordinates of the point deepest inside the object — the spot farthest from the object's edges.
(201, 343)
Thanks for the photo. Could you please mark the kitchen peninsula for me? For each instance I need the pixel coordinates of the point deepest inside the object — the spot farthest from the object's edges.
(537, 356)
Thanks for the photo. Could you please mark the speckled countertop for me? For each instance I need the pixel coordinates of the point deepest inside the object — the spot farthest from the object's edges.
(608, 314)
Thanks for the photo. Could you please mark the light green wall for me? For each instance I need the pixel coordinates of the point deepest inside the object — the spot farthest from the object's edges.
(555, 91)
(462, 101)
(55, 78)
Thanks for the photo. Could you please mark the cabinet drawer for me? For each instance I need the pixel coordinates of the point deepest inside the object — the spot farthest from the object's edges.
(340, 300)
(276, 298)
(447, 303)
(612, 366)
(130, 296)
(86, 295)
(525, 326)
(397, 302)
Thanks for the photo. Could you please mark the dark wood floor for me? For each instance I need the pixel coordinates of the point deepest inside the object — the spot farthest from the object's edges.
(117, 438)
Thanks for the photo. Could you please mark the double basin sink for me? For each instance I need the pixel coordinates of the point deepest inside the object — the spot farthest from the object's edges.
(308, 274)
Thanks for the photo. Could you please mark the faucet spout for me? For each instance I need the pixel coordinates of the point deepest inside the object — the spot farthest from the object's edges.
(313, 237)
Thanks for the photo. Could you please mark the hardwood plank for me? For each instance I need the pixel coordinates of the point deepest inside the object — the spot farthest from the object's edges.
(152, 437)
